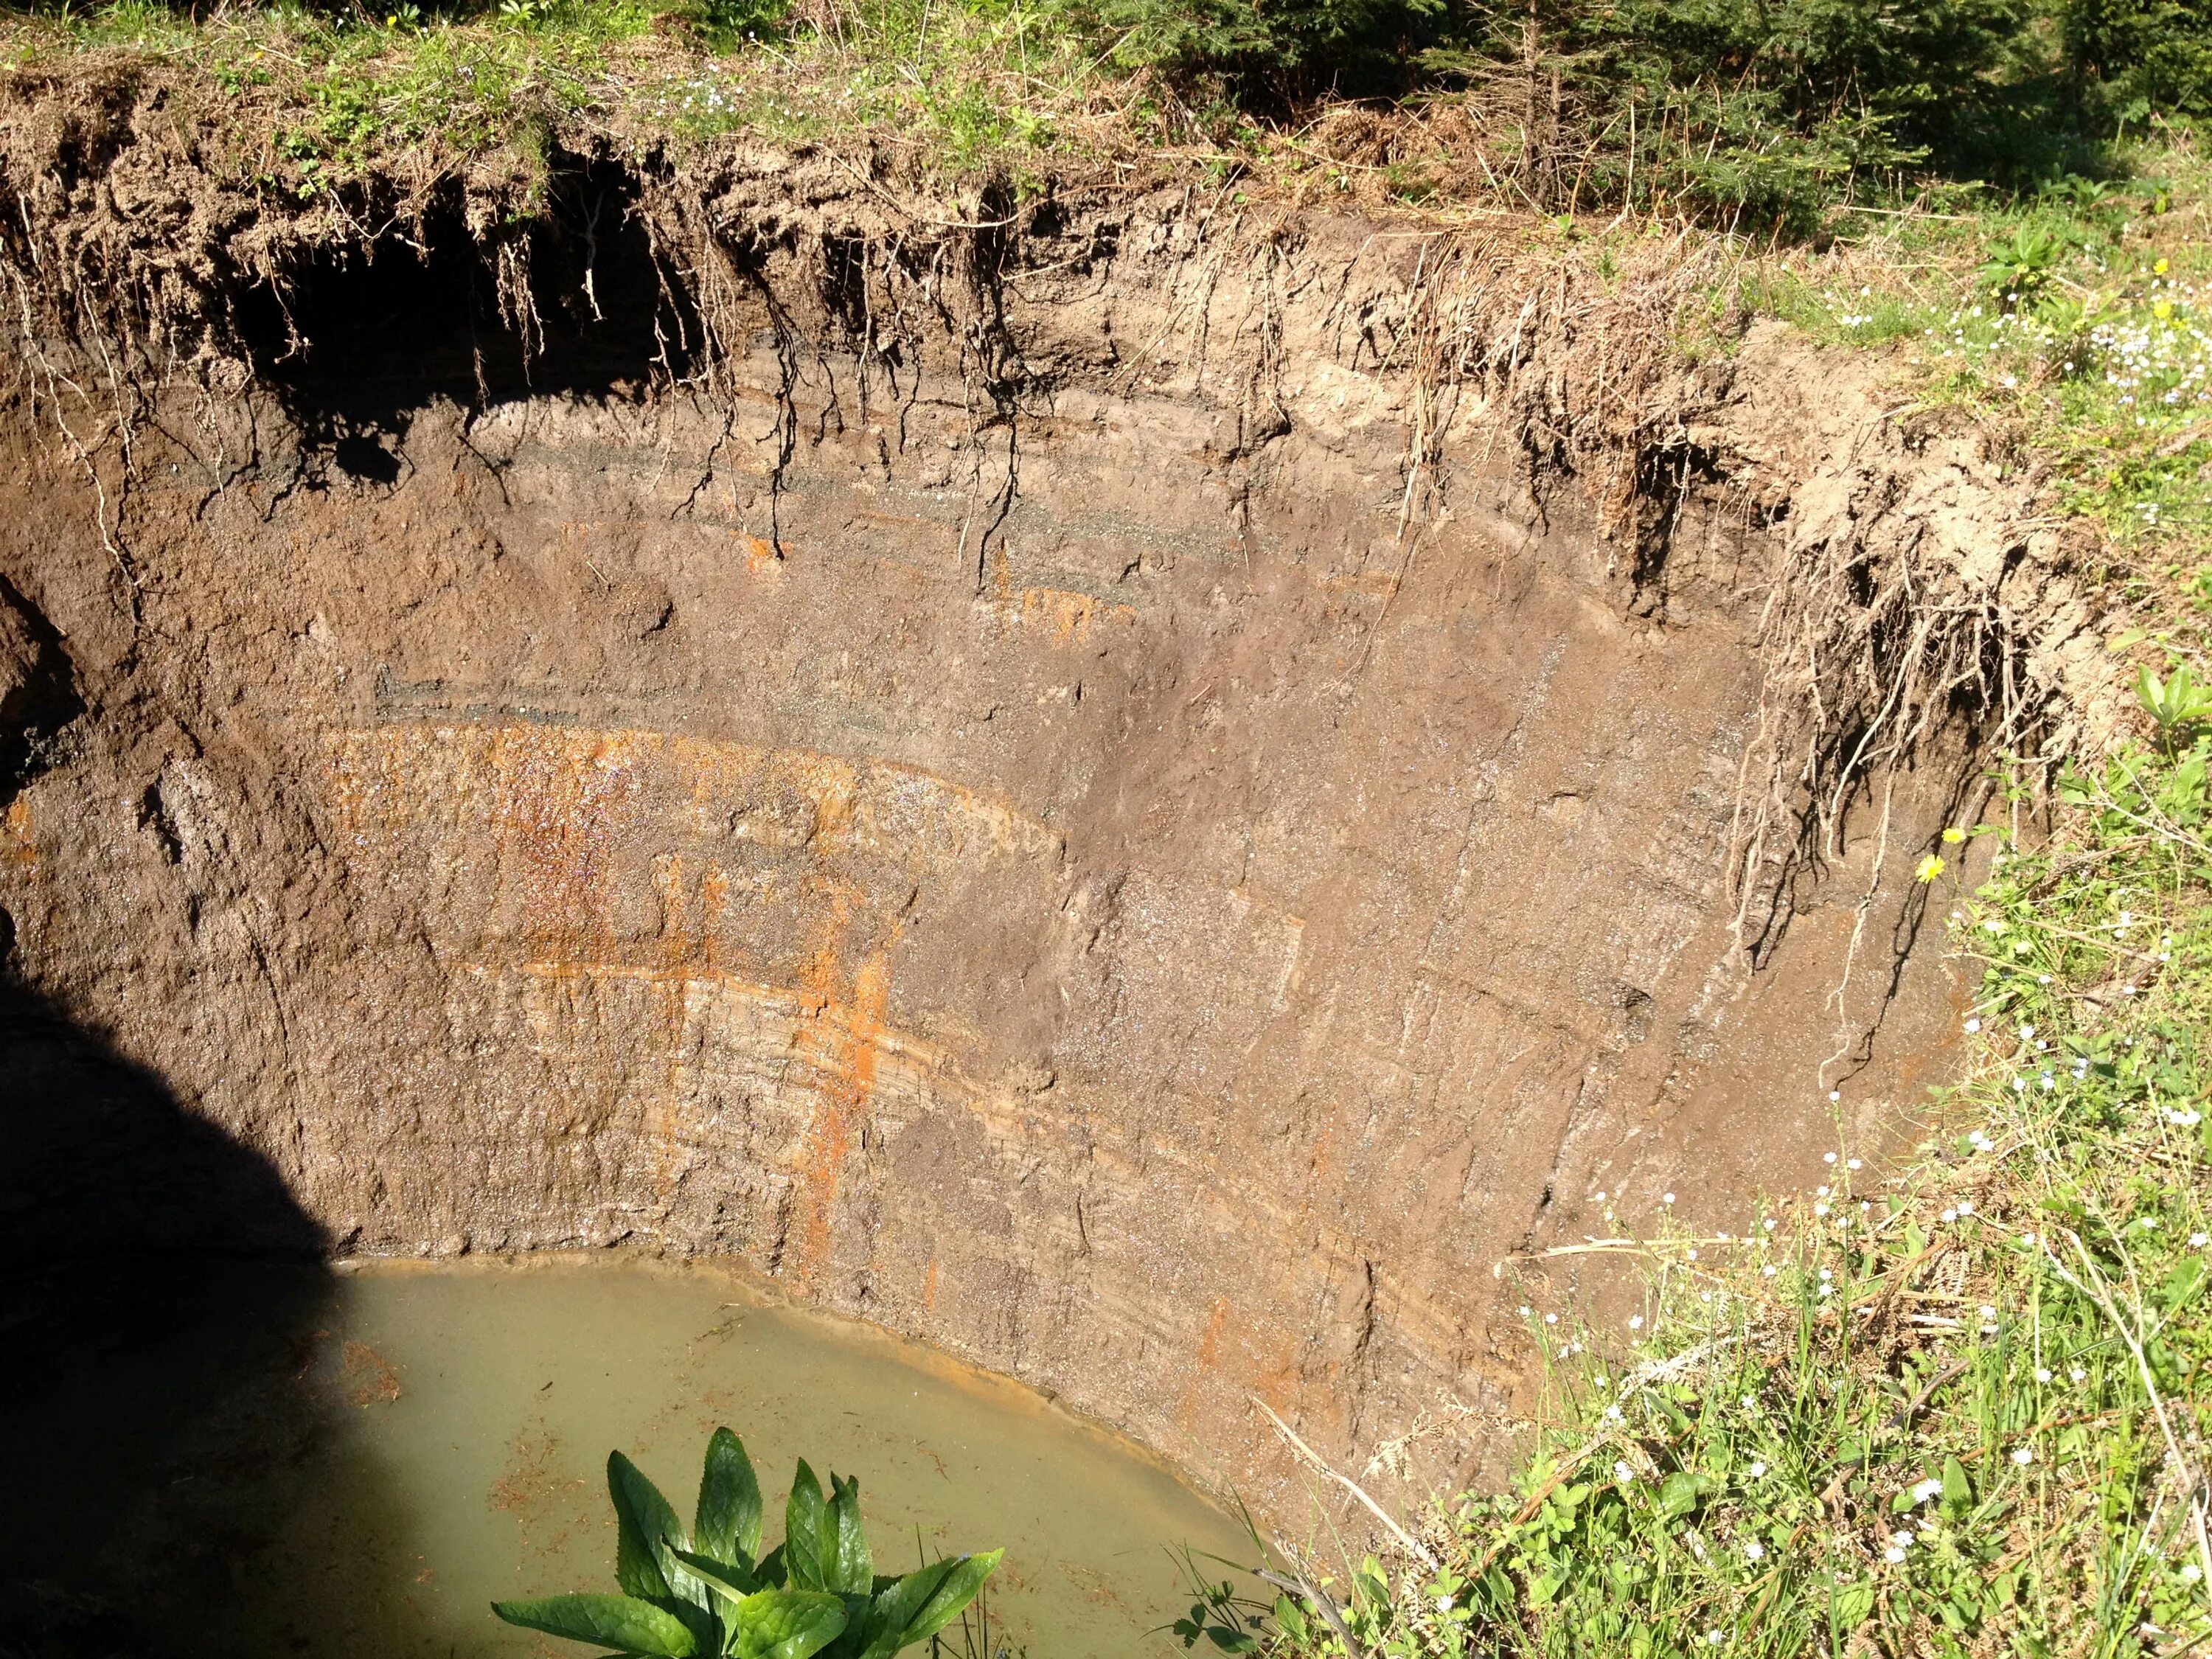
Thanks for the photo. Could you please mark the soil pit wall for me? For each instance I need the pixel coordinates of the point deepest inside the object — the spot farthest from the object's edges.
(1120, 900)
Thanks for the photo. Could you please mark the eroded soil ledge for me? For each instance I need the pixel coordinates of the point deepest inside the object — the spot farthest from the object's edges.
(1035, 770)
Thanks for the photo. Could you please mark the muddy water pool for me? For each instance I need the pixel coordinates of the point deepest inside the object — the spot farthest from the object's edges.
(294, 1461)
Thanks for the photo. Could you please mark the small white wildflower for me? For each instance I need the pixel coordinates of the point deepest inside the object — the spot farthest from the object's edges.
(1635, 1322)
(1965, 1206)
(1768, 1225)
(1713, 1638)
(1893, 1555)
(2078, 1375)
(1758, 1471)
(1950, 1215)
(1828, 1158)
(1551, 1319)
(2191, 1573)
(1623, 1474)
(1987, 1312)
(1667, 1198)
(1856, 1163)
(1749, 1402)
(2023, 1455)
(1754, 1551)
(1767, 1271)
(2042, 1374)
(1526, 1310)
(2199, 1241)
(1902, 1539)
(1973, 1026)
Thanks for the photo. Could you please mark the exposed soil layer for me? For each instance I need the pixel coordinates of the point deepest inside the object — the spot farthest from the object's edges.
(1101, 821)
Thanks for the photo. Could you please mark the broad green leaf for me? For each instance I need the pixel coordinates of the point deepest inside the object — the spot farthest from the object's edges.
(1853, 1603)
(846, 1564)
(953, 1592)
(735, 1581)
(642, 1520)
(802, 1530)
(2182, 1284)
(1957, 1490)
(647, 1535)
(1678, 1493)
(900, 1603)
(614, 1621)
(729, 1519)
(785, 1624)
(770, 1570)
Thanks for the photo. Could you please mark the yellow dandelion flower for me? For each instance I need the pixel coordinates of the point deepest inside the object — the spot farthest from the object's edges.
(2162, 310)
(2160, 268)
(1953, 836)
(1930, 868)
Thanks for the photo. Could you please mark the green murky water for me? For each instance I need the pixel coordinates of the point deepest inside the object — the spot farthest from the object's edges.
(294, 1463)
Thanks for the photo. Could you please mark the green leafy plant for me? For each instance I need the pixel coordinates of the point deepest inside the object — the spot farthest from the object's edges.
(2176, 703)
(2021, 264)
(708, 1592)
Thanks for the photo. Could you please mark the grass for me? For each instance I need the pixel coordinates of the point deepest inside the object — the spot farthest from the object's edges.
(1954, 1407)
(2077, 318)
(963, 84)
(956, 85)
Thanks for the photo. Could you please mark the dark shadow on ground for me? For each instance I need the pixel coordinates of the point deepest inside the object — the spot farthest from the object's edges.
(163, 1404)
